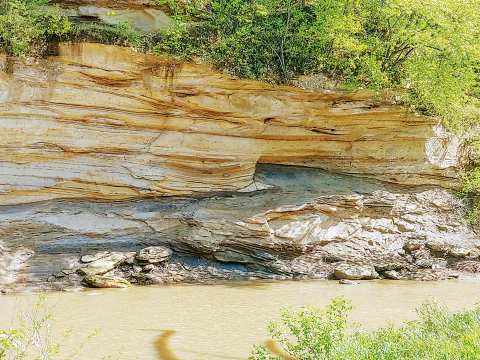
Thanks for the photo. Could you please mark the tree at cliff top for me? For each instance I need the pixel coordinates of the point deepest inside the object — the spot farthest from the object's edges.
(26, 26)
(427, 51)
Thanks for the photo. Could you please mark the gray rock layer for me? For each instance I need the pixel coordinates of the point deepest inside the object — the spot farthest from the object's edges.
(308, 224)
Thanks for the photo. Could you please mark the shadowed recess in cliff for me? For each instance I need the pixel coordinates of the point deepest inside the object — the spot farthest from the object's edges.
(105, 123)
(61, 230)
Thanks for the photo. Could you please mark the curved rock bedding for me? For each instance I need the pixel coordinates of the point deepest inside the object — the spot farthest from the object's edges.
(103, 122)
(105, 153)
(336, 227)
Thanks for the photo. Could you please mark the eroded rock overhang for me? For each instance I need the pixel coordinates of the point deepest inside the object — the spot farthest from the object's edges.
(309, 224)
(104, 122)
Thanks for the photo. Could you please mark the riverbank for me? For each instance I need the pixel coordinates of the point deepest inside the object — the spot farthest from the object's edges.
(221, 321)
(106, 149)
(304, 224)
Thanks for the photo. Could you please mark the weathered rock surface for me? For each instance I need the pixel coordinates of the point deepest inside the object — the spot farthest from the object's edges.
(11, 262)
(115, 4)
(355, 272)
(153, 254)
(104, 123)
(136, 270)
(99, 281)
(94, 257)
(98, 144)
(103, 264)
(306, 225)
(145, 19)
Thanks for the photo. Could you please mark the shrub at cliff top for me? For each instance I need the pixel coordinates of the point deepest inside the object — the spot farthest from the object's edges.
(26, 26)
(427, 51)
(312, 334)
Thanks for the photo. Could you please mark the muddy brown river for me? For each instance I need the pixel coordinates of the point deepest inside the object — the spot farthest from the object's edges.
(196, 322)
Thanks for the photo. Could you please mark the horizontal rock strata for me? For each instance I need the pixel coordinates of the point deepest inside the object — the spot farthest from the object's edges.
(105, 123)
(144, 19)
(308, 224)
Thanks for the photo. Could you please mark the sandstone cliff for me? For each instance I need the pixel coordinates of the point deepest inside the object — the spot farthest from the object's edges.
(142, 15)
(102, 122)
(116, 4)
(105, 151)
(310, 224)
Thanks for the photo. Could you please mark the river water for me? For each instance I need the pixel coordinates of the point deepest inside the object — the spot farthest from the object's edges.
(208, 322)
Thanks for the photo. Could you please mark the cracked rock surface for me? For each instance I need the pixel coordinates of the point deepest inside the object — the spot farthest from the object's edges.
(101, 122)
(118, 167)
(307, 224)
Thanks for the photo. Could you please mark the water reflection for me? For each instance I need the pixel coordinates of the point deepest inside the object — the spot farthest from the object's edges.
(249, 284)
(162, 346)
(275, 349)
(165, 352)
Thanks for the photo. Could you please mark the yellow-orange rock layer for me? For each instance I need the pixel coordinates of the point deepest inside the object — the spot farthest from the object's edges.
(104, 122)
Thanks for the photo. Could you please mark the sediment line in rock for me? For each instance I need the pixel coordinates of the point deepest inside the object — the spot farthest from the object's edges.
(308, 224)
(103, 122)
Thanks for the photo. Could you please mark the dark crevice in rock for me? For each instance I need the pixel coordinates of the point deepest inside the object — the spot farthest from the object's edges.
(307, 223)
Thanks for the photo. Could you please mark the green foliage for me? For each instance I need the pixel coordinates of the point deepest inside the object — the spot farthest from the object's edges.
(121, 34)
(189, 8)
(26, 26)
(264, 39)
(442, 74)
(33, 339)
(311, 334)
(470, 193)
(427, 52)
(471, 181)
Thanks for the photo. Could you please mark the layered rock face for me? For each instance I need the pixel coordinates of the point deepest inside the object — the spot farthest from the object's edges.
(309, 224)
(115, 4)
(102, 122)
(146, 16)
(107, 156)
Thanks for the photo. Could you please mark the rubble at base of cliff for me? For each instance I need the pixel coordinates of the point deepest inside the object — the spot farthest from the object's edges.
(349, 237)
(118, 270)
(102, 272)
